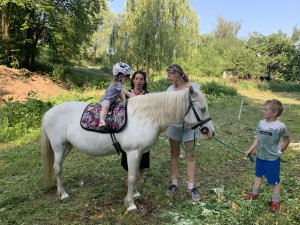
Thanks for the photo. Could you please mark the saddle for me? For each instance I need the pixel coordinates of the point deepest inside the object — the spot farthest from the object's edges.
(115, 121)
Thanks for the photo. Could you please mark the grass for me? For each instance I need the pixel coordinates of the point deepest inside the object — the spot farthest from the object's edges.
(97, 188)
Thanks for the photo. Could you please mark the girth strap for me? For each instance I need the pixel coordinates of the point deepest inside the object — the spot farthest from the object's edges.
(116, 144)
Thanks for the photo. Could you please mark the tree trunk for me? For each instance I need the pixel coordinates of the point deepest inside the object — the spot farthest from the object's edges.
(5, 27)
(29, 46)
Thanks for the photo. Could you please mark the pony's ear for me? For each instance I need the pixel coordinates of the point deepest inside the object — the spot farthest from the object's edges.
(192, 91)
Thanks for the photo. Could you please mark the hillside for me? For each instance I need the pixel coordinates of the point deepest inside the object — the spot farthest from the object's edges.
(17, 83)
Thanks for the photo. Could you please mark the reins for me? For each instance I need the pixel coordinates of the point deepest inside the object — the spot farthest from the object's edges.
(203, 130)
(182, 142)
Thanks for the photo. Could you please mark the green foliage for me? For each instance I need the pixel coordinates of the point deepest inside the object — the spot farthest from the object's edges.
(217, 89)
(62, 25)
(226, 29)
(148, 37)
(279, 86)
(21, 119)
(80, 78)
(59, 72)
(207, 61)
(279, 53)
(158, 84)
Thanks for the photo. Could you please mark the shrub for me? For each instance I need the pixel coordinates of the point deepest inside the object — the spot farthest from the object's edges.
(217, 89)
(19, 119)
(59, 72)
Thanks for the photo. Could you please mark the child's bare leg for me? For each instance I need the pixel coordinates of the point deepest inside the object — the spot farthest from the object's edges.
(104, 111)
(103, 115)
(276, 192)
(257, 184)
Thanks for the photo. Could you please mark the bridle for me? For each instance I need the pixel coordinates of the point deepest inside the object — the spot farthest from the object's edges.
(203, 130)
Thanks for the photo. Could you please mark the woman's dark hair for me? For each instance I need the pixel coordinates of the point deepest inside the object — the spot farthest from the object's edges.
(145, 78)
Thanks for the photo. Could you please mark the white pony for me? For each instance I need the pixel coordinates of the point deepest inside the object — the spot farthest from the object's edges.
(148, 115)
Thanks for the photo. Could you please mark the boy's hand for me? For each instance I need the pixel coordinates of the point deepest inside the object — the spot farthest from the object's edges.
(248, 152)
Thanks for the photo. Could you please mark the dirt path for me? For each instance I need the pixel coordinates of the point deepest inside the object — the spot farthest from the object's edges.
(18, 83)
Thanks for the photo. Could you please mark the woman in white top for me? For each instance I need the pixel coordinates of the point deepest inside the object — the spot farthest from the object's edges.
(175, 134)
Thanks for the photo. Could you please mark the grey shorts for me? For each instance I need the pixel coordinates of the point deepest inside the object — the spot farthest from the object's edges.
(105, 102)
(175, 133)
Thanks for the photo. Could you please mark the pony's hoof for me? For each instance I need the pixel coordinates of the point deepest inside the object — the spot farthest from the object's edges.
(132, 209)
(64, 196)
(136, 195)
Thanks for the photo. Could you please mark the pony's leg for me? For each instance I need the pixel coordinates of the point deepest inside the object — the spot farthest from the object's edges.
(133, 159)
(59, 158)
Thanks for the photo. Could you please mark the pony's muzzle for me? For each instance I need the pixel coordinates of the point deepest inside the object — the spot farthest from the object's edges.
(204, 130)
(208, 134)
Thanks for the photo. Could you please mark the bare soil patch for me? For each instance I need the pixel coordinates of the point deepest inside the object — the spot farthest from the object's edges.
(17, 83)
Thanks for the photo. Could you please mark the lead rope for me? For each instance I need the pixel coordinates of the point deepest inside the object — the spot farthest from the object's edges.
(249, 156)
(189, 150)
(182, 142)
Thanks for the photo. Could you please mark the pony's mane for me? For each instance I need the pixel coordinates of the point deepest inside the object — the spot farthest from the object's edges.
(163, 108)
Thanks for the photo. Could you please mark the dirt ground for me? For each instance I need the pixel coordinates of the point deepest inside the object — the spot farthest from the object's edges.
(17, 83)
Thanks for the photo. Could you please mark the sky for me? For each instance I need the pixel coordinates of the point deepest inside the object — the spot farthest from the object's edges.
(263, 16)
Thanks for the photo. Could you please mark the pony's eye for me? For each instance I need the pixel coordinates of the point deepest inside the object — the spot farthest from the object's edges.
(203, 109)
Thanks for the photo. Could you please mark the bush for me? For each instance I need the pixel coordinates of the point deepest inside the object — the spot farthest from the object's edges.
(284, 87)
(59, 72)
(19, 119)
(217, 89)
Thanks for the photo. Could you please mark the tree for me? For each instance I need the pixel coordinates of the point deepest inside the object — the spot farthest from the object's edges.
(63, 25)
(226, 29)
(155, 33)
(224, 51)
(100, 39)
(242, 62)
(208, 60)
(280, 53)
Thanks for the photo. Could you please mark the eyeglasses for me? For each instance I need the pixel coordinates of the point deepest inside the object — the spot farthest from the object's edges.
(127, 76)
(171, 69)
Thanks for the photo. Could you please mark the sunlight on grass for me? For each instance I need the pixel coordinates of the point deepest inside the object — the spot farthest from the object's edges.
(261, 96)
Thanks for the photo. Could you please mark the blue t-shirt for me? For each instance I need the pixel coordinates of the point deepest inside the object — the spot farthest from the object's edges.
(269, 136)
(112, 92)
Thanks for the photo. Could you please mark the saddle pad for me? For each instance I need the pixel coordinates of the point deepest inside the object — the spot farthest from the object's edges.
(115, 121)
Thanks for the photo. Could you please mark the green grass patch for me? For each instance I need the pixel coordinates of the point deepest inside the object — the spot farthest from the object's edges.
(96, 185)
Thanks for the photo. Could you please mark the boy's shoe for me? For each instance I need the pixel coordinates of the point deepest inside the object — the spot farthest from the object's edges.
(194, 193)
(251, 196)
(274, 206)
(171, 190)
(102, 125)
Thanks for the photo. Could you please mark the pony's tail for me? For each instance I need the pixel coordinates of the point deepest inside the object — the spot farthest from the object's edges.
(47, 156)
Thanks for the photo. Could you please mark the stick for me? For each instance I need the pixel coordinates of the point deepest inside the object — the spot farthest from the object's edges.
(241, 109)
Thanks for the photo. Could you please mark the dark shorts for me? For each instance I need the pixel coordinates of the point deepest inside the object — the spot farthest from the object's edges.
(268, 169)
